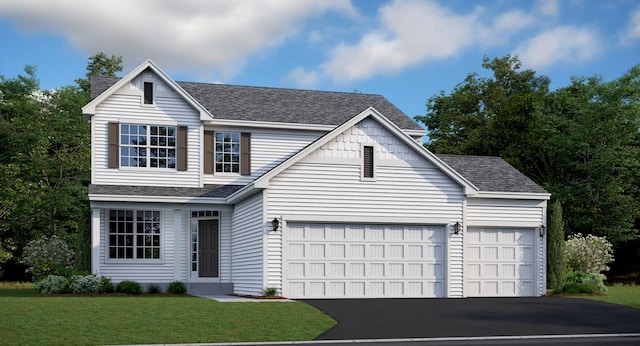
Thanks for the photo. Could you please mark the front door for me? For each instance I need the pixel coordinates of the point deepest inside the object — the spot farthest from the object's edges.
(208, 248)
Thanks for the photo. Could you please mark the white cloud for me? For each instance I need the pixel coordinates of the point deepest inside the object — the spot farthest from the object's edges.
(211, 37)
(548, 7)
(413, 32)
(303, 78)
(632, 31)
(566, 44)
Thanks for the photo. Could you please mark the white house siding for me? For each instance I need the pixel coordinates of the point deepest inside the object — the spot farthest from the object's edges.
(161, 272)
(518, 215)
(247, 251)
(327, 187)
(125, 106)
(268, 148)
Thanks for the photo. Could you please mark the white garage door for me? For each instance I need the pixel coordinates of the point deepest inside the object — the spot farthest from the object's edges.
(363, 261)
(499, 262)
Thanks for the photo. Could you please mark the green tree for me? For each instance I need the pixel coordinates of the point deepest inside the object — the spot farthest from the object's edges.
(556, 257)
(595, 152)
(495, 115)
(99, 64)
(45, 155)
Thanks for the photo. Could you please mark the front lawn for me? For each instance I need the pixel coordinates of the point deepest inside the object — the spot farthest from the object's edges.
(624, 295)
(30, 320)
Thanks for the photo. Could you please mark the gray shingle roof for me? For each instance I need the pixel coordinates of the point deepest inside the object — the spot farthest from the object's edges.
(234, 102)
(209, 191)
(491, 174)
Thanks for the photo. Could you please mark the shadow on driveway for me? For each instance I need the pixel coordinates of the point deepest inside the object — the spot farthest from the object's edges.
(429, 318)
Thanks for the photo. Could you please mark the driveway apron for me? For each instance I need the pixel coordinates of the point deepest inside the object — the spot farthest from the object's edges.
(429, 318)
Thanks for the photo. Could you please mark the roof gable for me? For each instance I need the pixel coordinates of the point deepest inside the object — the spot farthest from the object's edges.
(263, 181)
(103, 87)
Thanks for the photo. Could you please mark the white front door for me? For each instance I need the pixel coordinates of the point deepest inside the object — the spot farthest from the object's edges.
(363, 261)
(500, 262)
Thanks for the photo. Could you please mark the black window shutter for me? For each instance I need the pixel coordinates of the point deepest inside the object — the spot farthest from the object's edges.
(148, 93)
(209, 152)
(245, 153)
(113, 153)
(181, 159)
(367, 162)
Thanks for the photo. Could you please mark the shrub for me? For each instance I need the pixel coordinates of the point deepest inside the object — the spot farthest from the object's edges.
(129, 287)
(177, 287)
(85, 284)
(48, 256)
(581, 282)
(105, 285)
(556, 254)
(52, 284)
(589, 254)
(270, 292)
(154, 289)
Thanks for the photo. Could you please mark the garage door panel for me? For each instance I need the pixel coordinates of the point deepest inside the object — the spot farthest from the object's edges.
(499, 262)
(364, 261)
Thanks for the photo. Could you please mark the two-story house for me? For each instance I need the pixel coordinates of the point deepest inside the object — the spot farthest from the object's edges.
(234, 189)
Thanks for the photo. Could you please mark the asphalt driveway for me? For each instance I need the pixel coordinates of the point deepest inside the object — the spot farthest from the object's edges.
(431, 318)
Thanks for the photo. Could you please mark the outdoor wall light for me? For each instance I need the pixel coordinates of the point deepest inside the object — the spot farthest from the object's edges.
(542, 230)
(275, 224)
(457, 227)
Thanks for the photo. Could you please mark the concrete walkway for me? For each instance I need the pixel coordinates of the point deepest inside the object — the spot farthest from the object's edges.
(224, 298)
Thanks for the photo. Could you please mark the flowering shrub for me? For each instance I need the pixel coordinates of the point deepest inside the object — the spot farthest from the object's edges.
(589, 254)
(48, 256)
(52, 284)
(87, 284)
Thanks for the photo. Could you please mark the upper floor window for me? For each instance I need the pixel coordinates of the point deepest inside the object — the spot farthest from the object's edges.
(147, 146)
(227, 152)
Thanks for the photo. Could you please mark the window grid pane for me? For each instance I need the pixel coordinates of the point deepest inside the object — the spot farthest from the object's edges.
(148, 146)
(131, 230)
(227, 153)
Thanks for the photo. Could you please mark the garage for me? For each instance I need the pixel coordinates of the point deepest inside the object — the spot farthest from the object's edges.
(363, 261)
(500, 262)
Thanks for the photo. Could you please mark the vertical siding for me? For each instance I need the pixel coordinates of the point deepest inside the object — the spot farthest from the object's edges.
(247, 257)
(268, 148)
(225, 246)
(125, 107)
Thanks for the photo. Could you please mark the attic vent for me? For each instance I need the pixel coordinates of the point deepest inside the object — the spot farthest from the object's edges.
(148, 93)
(367, 166)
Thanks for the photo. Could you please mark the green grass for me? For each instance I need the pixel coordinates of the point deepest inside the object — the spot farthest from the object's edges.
(37, 320)
(623, 295)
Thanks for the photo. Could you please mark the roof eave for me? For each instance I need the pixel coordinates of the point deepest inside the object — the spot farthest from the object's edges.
(513, 195)
(160, 199)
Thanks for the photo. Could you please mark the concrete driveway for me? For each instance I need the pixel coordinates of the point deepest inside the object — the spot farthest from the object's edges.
(432, 318)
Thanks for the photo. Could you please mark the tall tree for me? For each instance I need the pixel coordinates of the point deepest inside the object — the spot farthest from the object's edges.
(596, 153)
(556, 258)
(99, 64)
(489, 115)
(45, 155)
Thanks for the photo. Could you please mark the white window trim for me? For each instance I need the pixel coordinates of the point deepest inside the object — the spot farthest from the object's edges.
(110, 260)
(375, 163)
(215, 162)
(154, 91)
(148, 147)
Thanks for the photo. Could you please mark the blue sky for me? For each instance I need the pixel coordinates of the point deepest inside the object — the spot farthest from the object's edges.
(407, 50)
